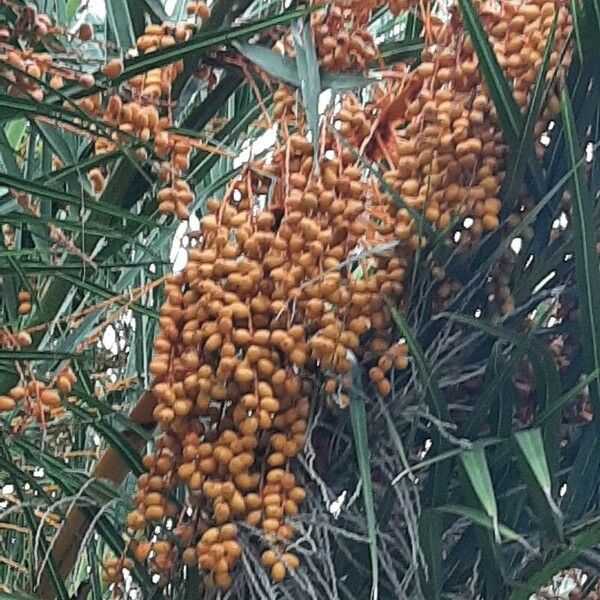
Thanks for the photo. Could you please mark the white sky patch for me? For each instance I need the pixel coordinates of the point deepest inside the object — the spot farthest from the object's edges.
(324, 100)
(109, 338)
(98, 8)
(251, 148)
(426, 448)
(563, 220)
(128, 318)
(194, 223)
(178, 255)
(180, 260)
(335, 508)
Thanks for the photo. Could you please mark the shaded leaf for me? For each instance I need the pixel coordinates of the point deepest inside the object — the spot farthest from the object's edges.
(561, 560)
(430, 538)
(119, 23)
(582, 482)
(281, 67)
(585, 253)
(483, 519)
(59, 196)
(358, 420)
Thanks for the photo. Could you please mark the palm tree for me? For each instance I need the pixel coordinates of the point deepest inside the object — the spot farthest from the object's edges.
(472, 471)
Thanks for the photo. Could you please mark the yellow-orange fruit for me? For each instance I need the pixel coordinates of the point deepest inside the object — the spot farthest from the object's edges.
(154, 512)
(86, 80)
(18, 392)
(162, 547)
(50, 397)
(24, 308)
(135, 520)
(223, 580)
(142, 550)
(278, 572)
(268, 558)
(227, 531)
(113, 68)
(189, 557)
(63, 383)
(291, 561)
(297, 494)
(23, 339)
(7, 403)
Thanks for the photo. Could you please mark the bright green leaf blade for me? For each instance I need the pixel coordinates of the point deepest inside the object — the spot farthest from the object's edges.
(71, 9)
(423, 464)
(475, 464)
(119, 23)
(534, 468)
(8, 150)
(201, 43)
(307, 66)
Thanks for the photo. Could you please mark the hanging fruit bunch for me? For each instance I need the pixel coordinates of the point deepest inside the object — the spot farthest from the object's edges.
(449, 159)
(263, 303)
(342, 38)
(32, 399)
